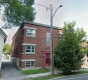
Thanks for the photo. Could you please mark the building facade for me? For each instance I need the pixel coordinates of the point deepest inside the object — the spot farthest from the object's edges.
(3, 37)
(31, 45)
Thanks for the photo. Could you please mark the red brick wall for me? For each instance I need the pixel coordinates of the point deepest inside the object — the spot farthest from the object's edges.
(16, 42)
(39, 40)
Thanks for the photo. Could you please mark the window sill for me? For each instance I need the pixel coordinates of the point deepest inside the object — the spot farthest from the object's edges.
(28, 53)
(31, 36)
(29, 67)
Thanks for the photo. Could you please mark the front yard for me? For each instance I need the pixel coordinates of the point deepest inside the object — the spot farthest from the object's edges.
(59, 75)
(35, 71)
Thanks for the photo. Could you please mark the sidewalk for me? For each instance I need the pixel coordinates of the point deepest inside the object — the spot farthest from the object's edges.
(28, 77)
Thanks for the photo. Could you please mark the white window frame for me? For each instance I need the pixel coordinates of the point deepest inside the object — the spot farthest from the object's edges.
(60, 35)
(30, 65)
(30, 31)
(30, 49)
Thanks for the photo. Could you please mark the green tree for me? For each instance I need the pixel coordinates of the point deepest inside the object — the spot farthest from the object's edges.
(69, 53)
(7, 49)
(15, 12)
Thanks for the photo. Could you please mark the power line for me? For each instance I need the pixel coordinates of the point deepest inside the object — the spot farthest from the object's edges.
(41, 5)
(51, 31)
(45, 2)
(57, 21)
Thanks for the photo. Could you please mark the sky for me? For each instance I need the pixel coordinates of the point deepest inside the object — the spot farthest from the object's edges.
(76, 10)
(72, 10)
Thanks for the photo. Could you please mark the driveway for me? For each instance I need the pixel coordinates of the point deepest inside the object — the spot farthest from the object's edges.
(9, 70)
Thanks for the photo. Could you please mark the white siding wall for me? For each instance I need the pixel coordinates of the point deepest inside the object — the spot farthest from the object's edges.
(1, 48)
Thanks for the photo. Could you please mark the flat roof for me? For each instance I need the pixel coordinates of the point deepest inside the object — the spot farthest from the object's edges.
(42, 25)
(37, 24)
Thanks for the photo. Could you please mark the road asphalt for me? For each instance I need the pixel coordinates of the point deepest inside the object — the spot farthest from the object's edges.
(73, 77)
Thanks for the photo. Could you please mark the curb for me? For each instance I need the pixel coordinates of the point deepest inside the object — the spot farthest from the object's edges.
(59, 77)
(68, 76)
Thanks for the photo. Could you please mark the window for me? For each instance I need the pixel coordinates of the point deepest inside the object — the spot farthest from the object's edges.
(60, 36)
(30, 49)
(29, 63)
(48, 39)
(31, 33)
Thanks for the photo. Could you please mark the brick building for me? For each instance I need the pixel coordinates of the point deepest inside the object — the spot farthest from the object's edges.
(30, 43)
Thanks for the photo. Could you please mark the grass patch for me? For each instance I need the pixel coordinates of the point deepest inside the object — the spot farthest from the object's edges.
(58, 75)
(82, 72)
(46, 77)
(35, 71)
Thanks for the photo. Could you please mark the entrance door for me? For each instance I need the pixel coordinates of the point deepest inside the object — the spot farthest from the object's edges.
(47, 59)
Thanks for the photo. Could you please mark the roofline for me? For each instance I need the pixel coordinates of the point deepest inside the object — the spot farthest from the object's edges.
(5, 36)
(3, 33)
(39, 24)
(18, 29)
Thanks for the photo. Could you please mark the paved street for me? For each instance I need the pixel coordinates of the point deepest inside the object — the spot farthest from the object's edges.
(78, 77)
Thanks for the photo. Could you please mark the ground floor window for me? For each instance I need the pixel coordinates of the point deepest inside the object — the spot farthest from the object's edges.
(29, 63)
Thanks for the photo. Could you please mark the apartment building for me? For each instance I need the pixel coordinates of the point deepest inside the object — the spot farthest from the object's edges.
(31, 45)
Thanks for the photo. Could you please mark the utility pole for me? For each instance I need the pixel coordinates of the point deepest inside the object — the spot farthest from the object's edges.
(51, 34)
(51, 37)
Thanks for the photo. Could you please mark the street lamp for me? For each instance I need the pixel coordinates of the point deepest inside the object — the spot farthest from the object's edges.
(51, 36)
(51, 32)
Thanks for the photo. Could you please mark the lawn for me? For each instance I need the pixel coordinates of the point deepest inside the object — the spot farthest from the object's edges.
(82, 72)
(58, 75)
(47, 77)
(35, 71)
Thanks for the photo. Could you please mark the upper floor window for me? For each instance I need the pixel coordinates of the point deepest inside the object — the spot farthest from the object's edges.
(48, 39)
(60, 36)
(31, 33)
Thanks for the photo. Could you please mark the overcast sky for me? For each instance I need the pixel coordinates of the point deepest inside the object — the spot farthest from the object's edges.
(76, 10)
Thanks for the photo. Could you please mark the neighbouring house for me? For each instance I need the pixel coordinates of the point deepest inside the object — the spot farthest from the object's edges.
(3, 37)
(85, 59)
(31, 45)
